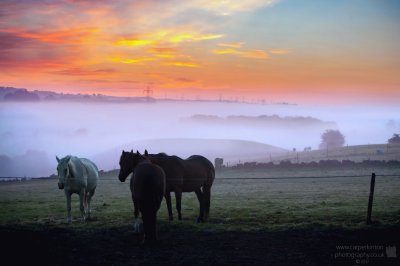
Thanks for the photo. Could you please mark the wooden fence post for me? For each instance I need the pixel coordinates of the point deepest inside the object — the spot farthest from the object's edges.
(371, 198)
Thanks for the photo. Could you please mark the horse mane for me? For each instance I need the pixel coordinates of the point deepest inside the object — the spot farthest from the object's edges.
(66, 158)
(74, 164)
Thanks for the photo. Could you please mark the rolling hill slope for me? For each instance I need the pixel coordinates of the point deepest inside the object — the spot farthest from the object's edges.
(230, 150)
(356, 153)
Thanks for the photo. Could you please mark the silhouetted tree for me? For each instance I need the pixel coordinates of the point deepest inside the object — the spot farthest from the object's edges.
(331, 139)
(395, 139)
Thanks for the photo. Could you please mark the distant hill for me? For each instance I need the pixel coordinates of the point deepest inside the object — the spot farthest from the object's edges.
(239, 151)
(262, 121)
(230, 150)
(37, 163)
(356, 153)
(20, 94)
(45, 96)
(33, 163)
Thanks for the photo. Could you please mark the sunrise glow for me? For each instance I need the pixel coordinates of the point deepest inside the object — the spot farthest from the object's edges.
(278, 50)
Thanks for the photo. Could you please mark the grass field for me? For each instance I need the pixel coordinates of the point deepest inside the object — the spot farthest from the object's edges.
(253, 208)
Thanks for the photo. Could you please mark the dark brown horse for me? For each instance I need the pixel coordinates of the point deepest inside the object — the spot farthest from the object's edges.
(147, 187)
(194, 174)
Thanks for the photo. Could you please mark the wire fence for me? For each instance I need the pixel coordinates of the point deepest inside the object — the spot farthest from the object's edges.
(279, 177)
(307, 196)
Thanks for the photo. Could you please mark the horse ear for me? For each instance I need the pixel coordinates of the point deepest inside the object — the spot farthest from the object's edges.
(137, 152)
(58, 159)
(131, 151)
(146, 153)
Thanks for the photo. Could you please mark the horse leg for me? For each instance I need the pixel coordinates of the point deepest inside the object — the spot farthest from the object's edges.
(200, 197)
(178, 199)
(68, 196)
(169, 205)
(207, 201)
(88, 200)
(136, 220)
(82, 204)
(149, 227)
(85, 205)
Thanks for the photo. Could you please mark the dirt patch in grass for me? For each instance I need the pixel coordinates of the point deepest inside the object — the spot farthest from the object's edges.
(43, 245)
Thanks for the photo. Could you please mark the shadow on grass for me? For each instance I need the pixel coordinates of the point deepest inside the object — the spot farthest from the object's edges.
(183, 244)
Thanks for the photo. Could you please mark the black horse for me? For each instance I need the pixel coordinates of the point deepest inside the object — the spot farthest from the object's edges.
(147, 187)
(194, 174)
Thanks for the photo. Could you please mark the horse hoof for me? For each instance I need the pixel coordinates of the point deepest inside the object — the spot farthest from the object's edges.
(199, 220)
(137, 226)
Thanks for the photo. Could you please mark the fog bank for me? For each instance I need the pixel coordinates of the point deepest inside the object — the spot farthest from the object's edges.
(89, 129)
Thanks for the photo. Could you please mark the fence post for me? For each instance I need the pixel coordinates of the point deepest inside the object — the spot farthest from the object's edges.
(371, 198)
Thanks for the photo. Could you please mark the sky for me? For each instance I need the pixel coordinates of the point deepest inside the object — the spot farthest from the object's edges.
(298, 51)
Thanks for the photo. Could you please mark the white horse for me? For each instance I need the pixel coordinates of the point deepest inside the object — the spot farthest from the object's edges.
(77, 175)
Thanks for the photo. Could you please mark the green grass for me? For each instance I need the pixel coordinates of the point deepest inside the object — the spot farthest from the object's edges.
(237, 204)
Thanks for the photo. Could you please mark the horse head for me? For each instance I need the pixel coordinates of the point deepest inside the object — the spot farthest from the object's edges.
(62, 170)
(128, 163)
(125, 165)
(69, 167)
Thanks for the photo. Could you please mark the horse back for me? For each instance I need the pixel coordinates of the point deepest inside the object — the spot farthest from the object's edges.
(92, 173)
(199, 171)
(77, 177)
(148, 185)
(173, 168)
(204, 163)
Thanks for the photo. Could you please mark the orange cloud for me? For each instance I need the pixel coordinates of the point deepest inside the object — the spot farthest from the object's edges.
(131, 60)
(182, 64)
(76, 71)
(172, 82)
(185, 37)
(163, 52)
(153, 75)
(166, 36)
(68, 36)
(231, 45)
(133, 42)
(279, 51)
(254, 54)
(185, 80)
(226, 51)
(168, 56)
(208, 37)
(247, 54)
(181, 37)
